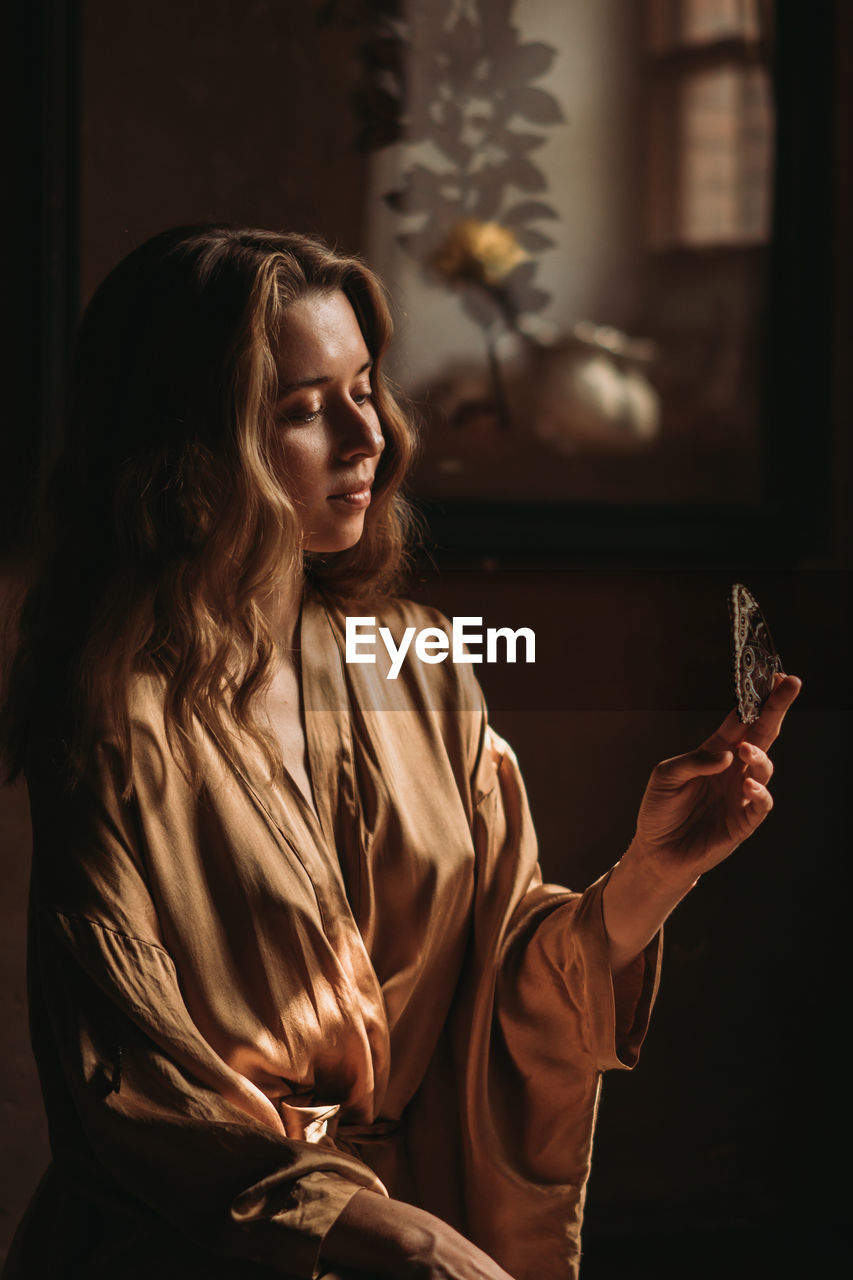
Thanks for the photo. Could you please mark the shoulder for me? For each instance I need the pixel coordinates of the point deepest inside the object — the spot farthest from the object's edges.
(398, 658)
(395, 612)
(410, 647)
(399, 616)
(146, 702)
(52, 762)
(138, 757)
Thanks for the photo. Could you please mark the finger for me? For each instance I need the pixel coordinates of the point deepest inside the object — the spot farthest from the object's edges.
(757, 800)
(727, 737)
(758, 763)
(765, 731)
(693, 764)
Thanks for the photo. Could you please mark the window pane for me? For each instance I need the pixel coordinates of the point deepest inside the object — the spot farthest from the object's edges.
(723, 164)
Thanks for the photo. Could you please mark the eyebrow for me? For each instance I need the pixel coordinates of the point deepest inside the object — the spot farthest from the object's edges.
(320, 381)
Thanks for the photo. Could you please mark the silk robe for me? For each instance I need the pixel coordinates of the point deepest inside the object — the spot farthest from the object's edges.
(246, 1006)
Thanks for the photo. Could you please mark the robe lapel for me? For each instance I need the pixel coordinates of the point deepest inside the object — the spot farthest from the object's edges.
(309, 832)
(330, 744)
(328, 729)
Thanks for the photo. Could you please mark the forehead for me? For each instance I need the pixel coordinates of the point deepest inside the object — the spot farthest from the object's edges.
(319, 337)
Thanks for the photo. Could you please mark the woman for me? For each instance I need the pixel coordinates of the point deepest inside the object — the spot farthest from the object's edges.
(300, 1002)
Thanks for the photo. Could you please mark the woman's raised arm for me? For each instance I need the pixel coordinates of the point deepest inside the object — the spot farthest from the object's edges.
(696, 810)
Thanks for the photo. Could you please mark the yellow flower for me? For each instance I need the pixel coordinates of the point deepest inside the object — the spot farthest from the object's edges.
(483, 252)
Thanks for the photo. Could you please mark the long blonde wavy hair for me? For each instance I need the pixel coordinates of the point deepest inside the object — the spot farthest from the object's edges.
(167, 519)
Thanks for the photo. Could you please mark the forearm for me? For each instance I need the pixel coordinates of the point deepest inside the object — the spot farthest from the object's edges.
(374, 1233)
(390, 1240)
(636, 901)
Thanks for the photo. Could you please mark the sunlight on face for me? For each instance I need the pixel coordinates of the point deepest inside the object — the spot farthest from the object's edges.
(330, 436)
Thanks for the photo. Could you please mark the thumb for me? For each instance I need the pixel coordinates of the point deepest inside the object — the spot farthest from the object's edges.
(695, 764)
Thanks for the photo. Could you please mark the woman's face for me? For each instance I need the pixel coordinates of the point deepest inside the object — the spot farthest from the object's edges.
(329, 431)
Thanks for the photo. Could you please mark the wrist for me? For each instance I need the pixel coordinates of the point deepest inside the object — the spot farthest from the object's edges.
(639, 895)
(655, 876)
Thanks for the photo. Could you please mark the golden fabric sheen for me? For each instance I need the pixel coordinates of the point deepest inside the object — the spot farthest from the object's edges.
(245, 1010)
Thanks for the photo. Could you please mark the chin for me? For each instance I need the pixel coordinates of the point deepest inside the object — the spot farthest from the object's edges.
(331, 543)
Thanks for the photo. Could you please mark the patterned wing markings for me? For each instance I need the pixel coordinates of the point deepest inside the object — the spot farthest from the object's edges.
(756, 661)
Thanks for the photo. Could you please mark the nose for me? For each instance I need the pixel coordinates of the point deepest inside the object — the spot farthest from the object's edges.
(359, 432)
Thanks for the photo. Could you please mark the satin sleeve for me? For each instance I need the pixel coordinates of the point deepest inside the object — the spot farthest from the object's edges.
(137, 1099)
(544, 1020)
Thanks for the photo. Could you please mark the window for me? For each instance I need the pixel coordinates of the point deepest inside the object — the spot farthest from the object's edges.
(710, 123)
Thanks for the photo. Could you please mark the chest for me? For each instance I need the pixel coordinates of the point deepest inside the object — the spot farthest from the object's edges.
(285, 720)
(386, 836)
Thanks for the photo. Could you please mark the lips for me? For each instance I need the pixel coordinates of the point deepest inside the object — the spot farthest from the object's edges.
(356, 495)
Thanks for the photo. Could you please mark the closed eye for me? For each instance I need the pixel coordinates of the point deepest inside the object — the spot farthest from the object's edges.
(299, 414)
(297, 419)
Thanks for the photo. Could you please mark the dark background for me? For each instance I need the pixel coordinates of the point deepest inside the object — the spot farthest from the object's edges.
(725, 1150)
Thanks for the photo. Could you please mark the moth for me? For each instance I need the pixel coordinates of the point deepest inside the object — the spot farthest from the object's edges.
(756, 661)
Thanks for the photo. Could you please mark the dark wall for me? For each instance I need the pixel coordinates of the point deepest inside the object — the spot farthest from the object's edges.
(212, 109)
(38, 225)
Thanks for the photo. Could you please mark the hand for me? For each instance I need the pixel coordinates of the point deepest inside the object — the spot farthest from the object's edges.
(696, 810)
(700, 806)
(380, 1239)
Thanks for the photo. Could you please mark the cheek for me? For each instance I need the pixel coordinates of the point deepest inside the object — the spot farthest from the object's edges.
(301, 464)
